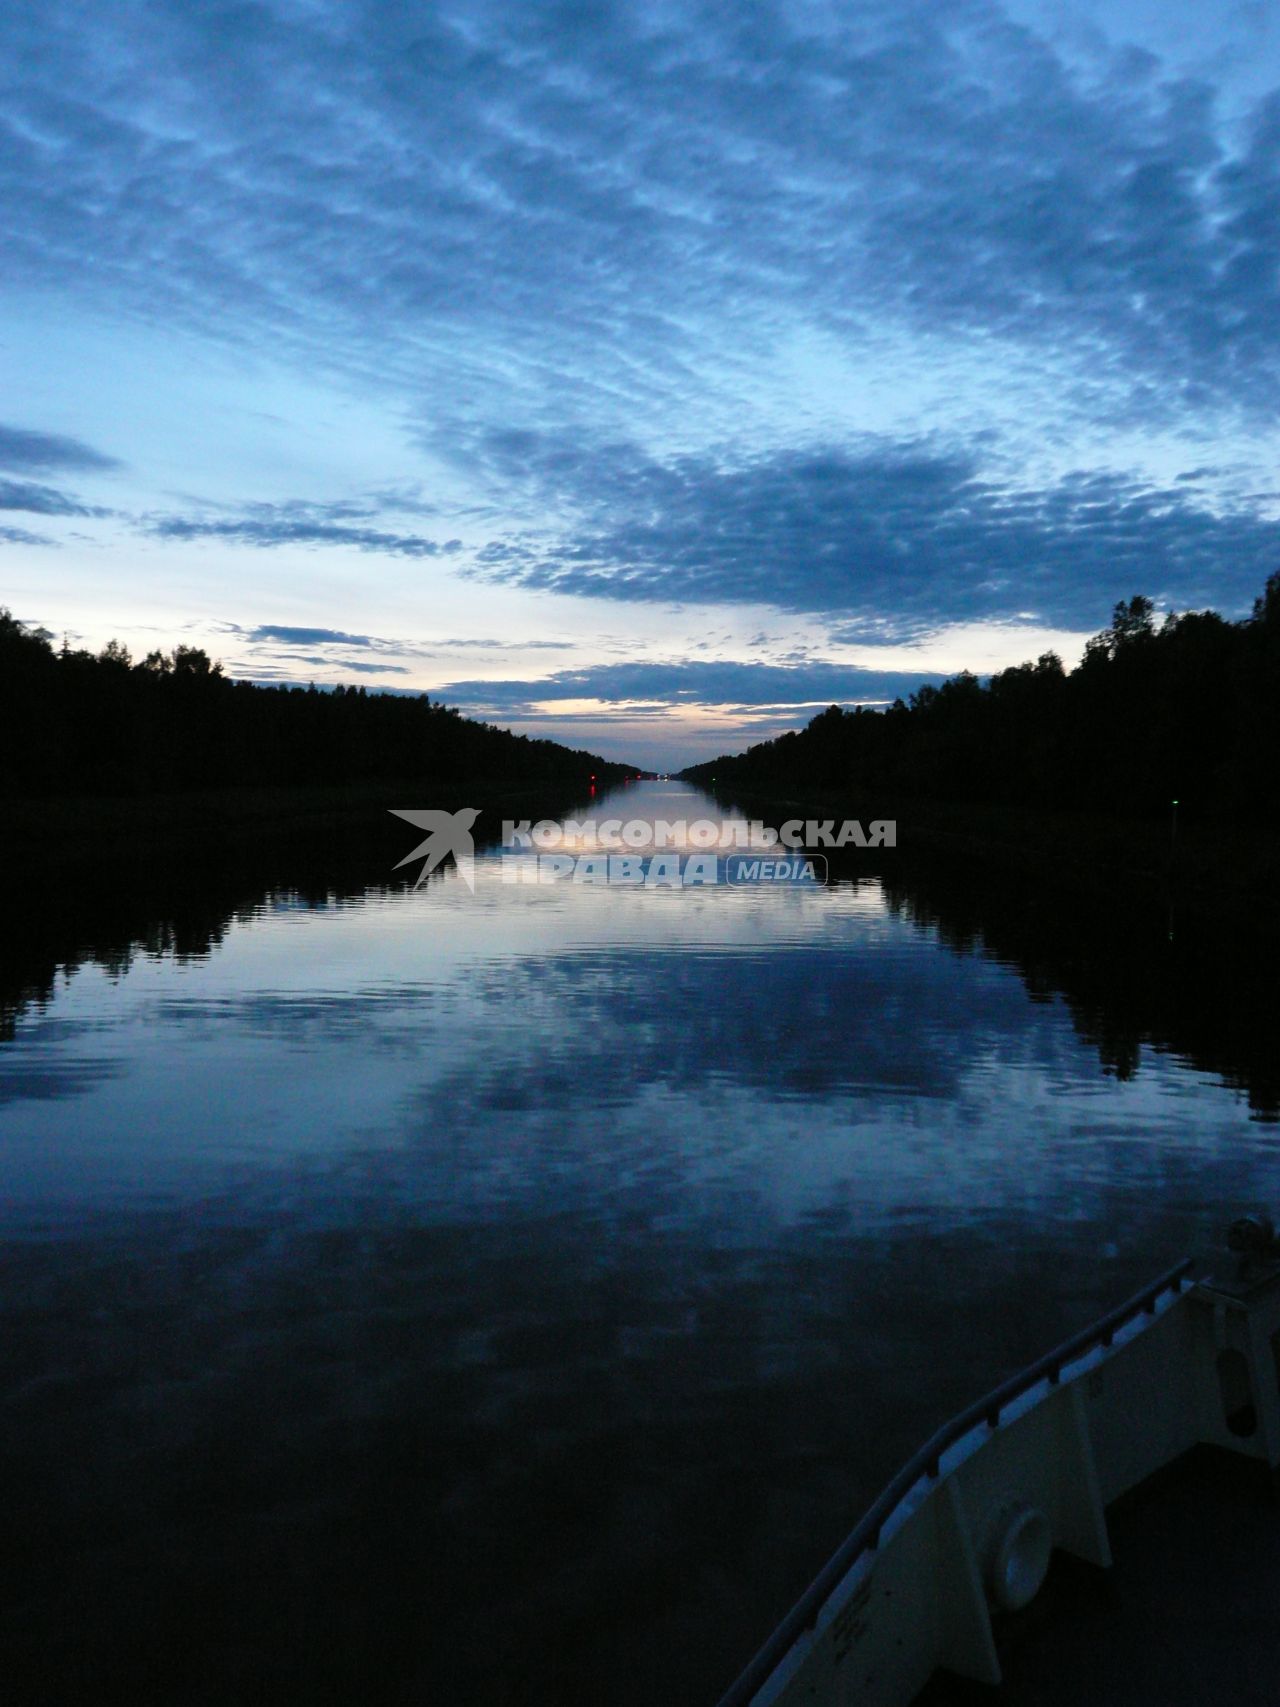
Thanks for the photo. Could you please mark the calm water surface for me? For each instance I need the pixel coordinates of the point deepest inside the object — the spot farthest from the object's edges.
(412, 1295)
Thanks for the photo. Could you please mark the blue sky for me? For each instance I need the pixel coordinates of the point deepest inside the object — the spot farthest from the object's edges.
(644, 375)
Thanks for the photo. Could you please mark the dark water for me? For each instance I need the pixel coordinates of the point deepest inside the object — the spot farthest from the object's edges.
(418, 1295)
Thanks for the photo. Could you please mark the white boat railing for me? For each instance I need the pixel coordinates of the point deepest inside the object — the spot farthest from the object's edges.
(968, 1523)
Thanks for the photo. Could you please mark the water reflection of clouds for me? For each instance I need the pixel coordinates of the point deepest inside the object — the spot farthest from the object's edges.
(544, 1224)
(529, 1042)
(36, 1077)
(795, 1022)
(211, 1064)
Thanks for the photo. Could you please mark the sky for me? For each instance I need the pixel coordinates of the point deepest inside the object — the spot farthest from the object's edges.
(647, 376)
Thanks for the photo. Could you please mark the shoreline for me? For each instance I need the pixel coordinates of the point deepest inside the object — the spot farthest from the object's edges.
(67, 830)
(1206, 871)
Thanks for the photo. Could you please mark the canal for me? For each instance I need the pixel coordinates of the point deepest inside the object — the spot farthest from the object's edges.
(512, 1294)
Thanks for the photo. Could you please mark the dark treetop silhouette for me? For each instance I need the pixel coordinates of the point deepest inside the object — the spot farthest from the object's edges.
(76, 723)
(1187, 711)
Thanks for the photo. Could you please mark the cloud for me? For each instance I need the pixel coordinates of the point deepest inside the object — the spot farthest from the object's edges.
(309, 636)
(274, 651)
(893, 539)
(43, 500)
(283, 530)
(495, 198)
(24, 450)
(20, 536)
(257, 669)
(685, 683)
(273, 634)
(636, 273)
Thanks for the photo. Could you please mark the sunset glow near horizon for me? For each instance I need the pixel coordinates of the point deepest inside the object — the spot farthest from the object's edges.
(644, 376)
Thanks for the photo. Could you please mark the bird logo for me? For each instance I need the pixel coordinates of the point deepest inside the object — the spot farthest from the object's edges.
(449, 833)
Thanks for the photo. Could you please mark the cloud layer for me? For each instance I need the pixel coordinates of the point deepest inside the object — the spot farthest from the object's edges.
(24, 452)
(886, 541)
(893, 316)
(599, 193)
(689, 683)
(276, 532)
(23, 449)
(892, 540)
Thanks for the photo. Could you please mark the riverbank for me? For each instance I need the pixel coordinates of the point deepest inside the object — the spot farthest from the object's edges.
(67, 831)
(1201, 869)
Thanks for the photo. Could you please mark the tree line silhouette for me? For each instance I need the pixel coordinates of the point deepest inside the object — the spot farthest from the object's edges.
(75, 722)
(1187, 710)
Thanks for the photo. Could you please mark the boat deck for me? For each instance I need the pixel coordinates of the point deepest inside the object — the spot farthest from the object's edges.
(1188, 1615)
